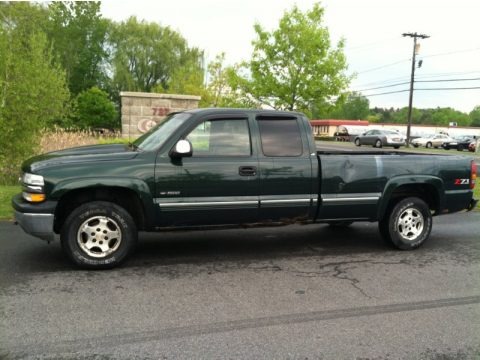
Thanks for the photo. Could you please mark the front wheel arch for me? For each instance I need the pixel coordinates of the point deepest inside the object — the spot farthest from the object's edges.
(123, 197)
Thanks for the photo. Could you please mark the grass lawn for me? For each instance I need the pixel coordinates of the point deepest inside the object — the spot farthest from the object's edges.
(6, 193)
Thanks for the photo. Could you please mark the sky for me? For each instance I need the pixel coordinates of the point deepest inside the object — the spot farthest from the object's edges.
(377, 53)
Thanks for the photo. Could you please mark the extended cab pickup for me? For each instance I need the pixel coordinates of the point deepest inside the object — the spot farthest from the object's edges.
(210, 167)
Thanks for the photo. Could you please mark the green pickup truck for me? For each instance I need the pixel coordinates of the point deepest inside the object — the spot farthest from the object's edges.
(224, 167)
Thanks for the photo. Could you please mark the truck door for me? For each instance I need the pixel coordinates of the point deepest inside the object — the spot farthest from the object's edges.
(219, 183)
(286, 177)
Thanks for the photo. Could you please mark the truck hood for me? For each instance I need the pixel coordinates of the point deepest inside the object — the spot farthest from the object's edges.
(93, 153)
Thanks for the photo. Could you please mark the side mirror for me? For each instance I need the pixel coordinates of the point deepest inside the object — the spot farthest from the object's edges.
(183, 148)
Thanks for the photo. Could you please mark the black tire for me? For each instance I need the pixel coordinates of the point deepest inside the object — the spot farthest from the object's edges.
(415, 145)
(428, 145)
(98, 235)
(339, 224)
(396, 147)
(408, 224)
(357, 142)
(460, 148)
(378, 143)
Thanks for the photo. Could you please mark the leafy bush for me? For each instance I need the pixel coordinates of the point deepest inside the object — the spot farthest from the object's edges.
(33, 91)
(95, 110)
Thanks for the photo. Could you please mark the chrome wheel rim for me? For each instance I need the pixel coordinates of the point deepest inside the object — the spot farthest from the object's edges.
(410, 224)
(99, 236)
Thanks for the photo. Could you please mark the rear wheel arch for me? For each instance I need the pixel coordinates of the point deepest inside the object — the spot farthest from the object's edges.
(429, 190)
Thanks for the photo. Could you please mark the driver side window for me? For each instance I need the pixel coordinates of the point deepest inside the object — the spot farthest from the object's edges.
(221, 138)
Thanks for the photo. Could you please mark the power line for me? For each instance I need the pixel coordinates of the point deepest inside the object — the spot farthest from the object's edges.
(434, 75)
(451, 53)
(451, 88)
(447, 80)
(423, 76)
(369, 45)
(425, 89)
(382, 67)
(416, 81)
(383, 87)
(388, 92)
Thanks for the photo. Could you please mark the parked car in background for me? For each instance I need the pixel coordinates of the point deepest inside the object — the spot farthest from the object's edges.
(429, 141)
(460, 143)
(379, 138)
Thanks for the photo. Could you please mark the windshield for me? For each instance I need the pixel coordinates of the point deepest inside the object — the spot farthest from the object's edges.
(157, 135)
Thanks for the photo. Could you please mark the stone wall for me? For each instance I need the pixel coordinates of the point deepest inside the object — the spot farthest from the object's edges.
(141, 111)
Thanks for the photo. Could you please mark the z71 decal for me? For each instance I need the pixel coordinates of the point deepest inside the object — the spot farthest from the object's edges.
(462, 181)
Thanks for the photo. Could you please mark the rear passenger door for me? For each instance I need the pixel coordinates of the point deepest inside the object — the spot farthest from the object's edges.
(287, 181)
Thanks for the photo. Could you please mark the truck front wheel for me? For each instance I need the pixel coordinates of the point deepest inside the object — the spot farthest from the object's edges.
(408, 225)
(98, 235)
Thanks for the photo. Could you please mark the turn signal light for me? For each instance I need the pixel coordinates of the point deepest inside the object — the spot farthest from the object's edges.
(34, 198)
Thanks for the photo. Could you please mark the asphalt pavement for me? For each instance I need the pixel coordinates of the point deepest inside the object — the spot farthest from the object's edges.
(294, 292)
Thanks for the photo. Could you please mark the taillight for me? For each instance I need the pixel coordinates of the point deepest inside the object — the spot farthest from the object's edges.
(473, 175)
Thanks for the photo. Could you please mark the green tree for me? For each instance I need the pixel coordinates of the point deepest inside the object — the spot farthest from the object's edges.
(353, 106)
(475, 116)
(295, 65)
(78, 34)
(95, 110)
(188, 80)
(219, 91)
(146, 55)
(33, 90)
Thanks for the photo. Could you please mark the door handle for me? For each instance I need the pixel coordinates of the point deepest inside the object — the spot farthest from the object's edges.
(247, 170)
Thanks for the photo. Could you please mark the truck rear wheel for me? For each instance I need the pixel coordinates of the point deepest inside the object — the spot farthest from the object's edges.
(408, 225)
(98, 235)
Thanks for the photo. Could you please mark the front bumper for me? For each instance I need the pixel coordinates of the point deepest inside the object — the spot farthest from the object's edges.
(35, 219)
(38, 225)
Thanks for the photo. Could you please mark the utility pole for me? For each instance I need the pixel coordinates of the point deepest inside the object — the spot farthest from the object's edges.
(412, 79)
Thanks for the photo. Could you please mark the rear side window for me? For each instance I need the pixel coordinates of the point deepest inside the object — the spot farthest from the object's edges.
(280, 137)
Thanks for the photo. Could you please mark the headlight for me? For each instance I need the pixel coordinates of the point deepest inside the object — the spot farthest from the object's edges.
(32, 179)
(33, 190)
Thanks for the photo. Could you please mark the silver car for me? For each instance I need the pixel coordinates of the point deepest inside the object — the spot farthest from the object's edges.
(379, 138)
(433, 140)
